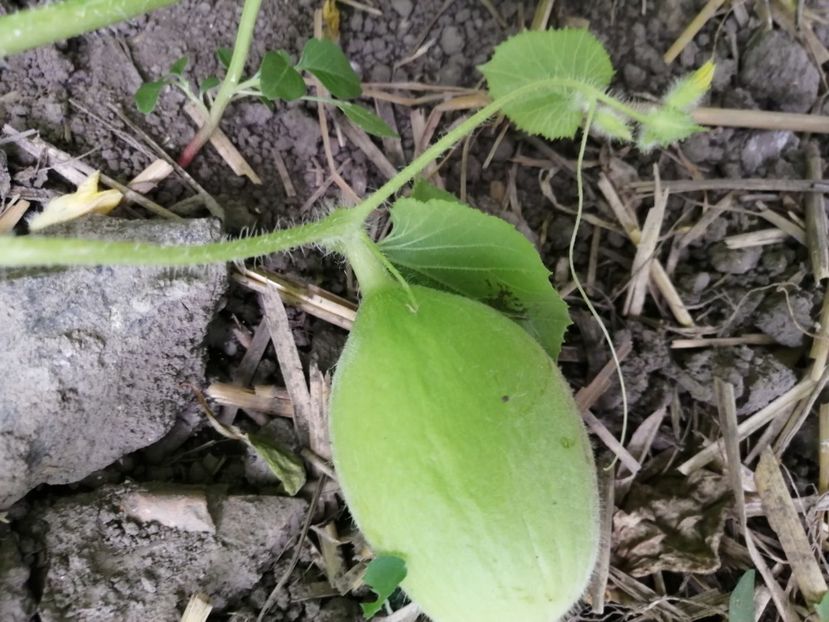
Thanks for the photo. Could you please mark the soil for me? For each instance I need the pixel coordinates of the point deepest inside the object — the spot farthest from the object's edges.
(57, 550)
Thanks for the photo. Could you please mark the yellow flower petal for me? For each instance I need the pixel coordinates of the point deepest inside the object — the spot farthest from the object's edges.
(86, 199)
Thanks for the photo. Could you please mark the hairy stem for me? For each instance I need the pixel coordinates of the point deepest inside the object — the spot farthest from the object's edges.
(32, 28)
(229, 86)
(31, 250)
(44, 251)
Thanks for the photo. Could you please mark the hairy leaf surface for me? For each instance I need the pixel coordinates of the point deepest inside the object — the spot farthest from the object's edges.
(541, 57)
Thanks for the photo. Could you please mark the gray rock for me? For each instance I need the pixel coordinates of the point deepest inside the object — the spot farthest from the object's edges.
(16, 602)
(104, 566)
(402, 7)
(778, 72)
(785, 321)
(735, 261)
(452, 40)
(764, 147)
(767, 379)
(95, 359)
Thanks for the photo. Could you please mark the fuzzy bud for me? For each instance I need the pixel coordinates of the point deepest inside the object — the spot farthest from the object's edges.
(689, 90)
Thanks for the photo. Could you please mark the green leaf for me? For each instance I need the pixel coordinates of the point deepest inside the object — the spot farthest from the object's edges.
(450, 246)
(382, 575)
(424, 191)
(285, 465)
(741, 603)
(822, 608)
(224, 55)
(177, 68)
(366, 119)
(146, 97)
(278, 79)
(533, 57)
(210, 82)
(327, 62)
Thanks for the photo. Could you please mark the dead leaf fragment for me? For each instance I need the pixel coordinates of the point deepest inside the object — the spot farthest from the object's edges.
(672, 524)
(87, 199)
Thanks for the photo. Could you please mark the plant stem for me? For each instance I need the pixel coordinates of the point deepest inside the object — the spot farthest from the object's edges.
(32, 28)
(241, 49)
(362, 256)
(31, 250)
(44, 251)
(571, 259)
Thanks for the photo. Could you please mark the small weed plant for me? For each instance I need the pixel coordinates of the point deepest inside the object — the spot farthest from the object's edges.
(458, 446)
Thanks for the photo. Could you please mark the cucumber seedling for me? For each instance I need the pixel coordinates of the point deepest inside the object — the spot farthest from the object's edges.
(457, 443)
(277, 78)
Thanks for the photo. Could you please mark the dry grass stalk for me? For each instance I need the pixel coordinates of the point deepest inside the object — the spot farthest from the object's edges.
(753, 339)
(333, 564)
(798, 417)
(310, 298)
(691, 30)
(610, 441)
(782, 223)
(198, 609)
(75, 171)
(289, 363)
(763, 237)
(593, 263)
(541, 17)
(290, 191)
(150, 177)
(784, 520)
(793, 22)
(727, 410)
(752, 184)
(243, 374)
(663, 283)
(320, 389)
(656, 273)
(623, 213)
(12, 213)
(646, 251)
(762, 120)
(589, 394)
(266, 400)
(750, 425)
(150, 145)
(819, 352)
(601, 571)
(817, 231)
(225, 148)
(823, 437)
(361, 140)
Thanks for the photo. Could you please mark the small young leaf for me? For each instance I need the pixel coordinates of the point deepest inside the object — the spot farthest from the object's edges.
(366, 119)
(177, 68)
(450, 246)
(822, 608)
(666, 126)
(210, 82)
(536, 57)
(741, 603)
(285, 465)
(424, 191)
(224, 55)
(611, 124)
(278, 79)
(688, 90)
(383, 575)
(327, 62)
(146, 97)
